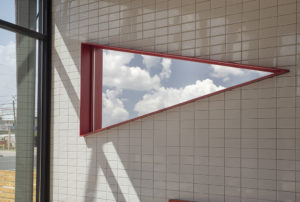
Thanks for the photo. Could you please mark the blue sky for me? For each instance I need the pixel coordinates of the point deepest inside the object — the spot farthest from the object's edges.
(7, 13)
(135, 84)
(7, 59)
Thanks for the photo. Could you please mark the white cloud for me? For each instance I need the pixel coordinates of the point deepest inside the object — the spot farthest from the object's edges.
(8, 54)
(225, 72)
(165, 97)
(150, 61)
(113, 108)
(259, 73)
(166, 68)
(118, 74)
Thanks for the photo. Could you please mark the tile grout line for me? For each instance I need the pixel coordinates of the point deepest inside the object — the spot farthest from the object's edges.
(276, 112)
(257, 110)
(241, 114)
(194, 108)
(224, 138)
(296, 105)
(180, 110)
(153, 157)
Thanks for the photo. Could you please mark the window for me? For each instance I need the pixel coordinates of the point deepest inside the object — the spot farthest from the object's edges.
(24, 100)
(120, 85)
(18, 116)
(27, 15)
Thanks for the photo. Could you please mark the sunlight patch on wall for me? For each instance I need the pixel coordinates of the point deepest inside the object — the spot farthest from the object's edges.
(65, 56)
(120, 173)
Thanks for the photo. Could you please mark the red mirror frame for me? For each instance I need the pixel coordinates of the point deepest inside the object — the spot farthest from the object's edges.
(91, 83)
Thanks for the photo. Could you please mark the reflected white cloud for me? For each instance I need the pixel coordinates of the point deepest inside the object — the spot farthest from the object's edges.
(113, 108)
(117, 73)
(166, 68)
(150, 61)
(259, 73)
(225, 72)
(136, 84)
(165, 97)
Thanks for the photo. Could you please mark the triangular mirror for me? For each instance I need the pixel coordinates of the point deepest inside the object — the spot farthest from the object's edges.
(127, 84)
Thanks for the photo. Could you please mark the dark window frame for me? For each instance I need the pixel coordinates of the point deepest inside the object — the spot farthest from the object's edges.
(44, 94)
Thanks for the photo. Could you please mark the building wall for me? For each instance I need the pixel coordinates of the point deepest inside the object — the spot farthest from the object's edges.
(242, 145)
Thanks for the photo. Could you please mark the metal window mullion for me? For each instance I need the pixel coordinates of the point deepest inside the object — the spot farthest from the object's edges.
(21, 30)
(44, 107)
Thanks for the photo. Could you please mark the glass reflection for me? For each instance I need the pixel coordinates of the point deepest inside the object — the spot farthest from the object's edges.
(134, 84)
(20, 12)
(18, 117)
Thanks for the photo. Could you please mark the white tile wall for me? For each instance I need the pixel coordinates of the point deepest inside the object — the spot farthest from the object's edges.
(243, 145)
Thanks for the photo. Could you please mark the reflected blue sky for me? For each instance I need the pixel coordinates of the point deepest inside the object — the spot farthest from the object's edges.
(135, 85)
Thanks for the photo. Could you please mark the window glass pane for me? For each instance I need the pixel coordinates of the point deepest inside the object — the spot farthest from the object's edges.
(7, 11)
(135, 84)
(20, 12)
(18, 117)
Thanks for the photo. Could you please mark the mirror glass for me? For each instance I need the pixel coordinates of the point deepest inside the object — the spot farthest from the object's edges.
(135, 84)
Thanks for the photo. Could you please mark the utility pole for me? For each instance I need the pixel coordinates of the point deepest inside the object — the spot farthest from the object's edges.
(14, 111)
(9, 138)
(9, 127)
